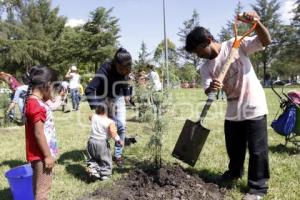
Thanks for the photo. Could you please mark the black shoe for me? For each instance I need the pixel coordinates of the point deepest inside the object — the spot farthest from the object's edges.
(130, 140)
(119, 162)
(229, 176)
(228, 180)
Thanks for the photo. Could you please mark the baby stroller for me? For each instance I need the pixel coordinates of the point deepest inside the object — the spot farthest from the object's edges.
(288, 123)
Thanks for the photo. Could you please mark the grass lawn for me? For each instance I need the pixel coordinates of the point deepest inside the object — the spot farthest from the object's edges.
(70, 180)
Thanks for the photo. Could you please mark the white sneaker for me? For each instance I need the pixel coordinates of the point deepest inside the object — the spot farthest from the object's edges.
(249, 196)
(93, 173)
(104, 178)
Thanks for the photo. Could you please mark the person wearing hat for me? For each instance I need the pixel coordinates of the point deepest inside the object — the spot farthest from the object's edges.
(110, 83)
(74, 78)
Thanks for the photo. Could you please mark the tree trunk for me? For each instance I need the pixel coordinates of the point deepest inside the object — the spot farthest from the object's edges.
(195, 63)
(96, 66)
(265, 71)
(257, 69)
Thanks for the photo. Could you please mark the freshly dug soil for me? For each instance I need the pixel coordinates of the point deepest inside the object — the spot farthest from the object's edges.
(166, 183)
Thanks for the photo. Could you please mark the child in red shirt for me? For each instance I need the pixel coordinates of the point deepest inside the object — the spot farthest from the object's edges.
(41, 145)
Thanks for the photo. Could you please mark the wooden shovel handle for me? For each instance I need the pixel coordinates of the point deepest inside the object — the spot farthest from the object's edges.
(234, 50)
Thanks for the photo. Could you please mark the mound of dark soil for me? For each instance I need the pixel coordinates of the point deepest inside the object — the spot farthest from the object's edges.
(169, 182)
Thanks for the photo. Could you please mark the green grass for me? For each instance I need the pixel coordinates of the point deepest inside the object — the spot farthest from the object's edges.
(70, 180)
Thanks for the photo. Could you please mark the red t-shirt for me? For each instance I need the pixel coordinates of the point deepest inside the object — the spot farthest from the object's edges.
(34, 112)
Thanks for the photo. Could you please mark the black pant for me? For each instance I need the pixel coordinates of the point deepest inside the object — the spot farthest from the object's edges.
(254, 133)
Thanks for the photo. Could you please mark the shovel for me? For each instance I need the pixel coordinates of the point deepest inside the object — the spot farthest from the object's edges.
(193, 135)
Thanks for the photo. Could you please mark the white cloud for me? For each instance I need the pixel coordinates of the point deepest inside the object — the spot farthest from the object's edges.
(75, 22)
(286, 10)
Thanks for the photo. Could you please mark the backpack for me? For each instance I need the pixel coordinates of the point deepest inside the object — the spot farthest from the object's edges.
(285, 123)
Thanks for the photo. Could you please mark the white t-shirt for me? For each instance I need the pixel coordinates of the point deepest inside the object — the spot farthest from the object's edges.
(245, 95)
(74, 81)
(65, 85)
(100, 127)
(154, 78)
(20, 93)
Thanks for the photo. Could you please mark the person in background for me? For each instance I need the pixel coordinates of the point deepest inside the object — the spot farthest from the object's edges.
(74, 78)
(99, 163)
(154, 78)
(13, 84)
(58, 96)
(111, 83)
(81, 91)
(18, 98)
(65, 91)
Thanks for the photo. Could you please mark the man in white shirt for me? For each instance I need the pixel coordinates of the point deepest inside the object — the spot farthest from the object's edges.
(245, 120)
(154, 78)
(74, 78)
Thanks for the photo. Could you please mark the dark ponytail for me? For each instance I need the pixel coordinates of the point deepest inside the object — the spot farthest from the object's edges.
(122, 57)
(38, 77)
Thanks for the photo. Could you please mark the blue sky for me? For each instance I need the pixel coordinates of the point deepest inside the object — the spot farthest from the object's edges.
(141, 20)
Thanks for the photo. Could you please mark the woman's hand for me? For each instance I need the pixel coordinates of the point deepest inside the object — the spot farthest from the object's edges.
(127, 99)
(121, 142)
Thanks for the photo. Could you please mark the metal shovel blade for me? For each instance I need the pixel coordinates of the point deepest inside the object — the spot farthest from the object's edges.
(190, 142)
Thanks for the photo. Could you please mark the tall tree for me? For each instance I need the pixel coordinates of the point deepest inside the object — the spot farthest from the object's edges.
(296, 25)
(172, 58)
(29, 32)
(188, 25)
(172, 54)
(103, 32)
(296, 19)
(188, 73)
(226, 32)
(144, 54)
(268, 10)
(289, 63)
(143, 59)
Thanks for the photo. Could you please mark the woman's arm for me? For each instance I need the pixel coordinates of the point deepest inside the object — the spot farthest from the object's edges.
(99, 81)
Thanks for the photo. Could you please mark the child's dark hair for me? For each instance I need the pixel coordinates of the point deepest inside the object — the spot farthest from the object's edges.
(106, 107)
(25, 79)
(39, 77)
(199, 35)
(151, 67)
(101, 108)
(122, 57)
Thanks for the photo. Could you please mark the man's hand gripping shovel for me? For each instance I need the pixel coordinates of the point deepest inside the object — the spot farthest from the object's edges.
(193, 135)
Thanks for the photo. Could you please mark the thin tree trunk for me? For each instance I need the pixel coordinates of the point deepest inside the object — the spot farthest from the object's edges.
(96, 66)
(265, 71)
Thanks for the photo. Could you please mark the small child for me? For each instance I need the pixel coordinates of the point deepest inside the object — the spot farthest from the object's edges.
(41, 144)
(99, 156)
